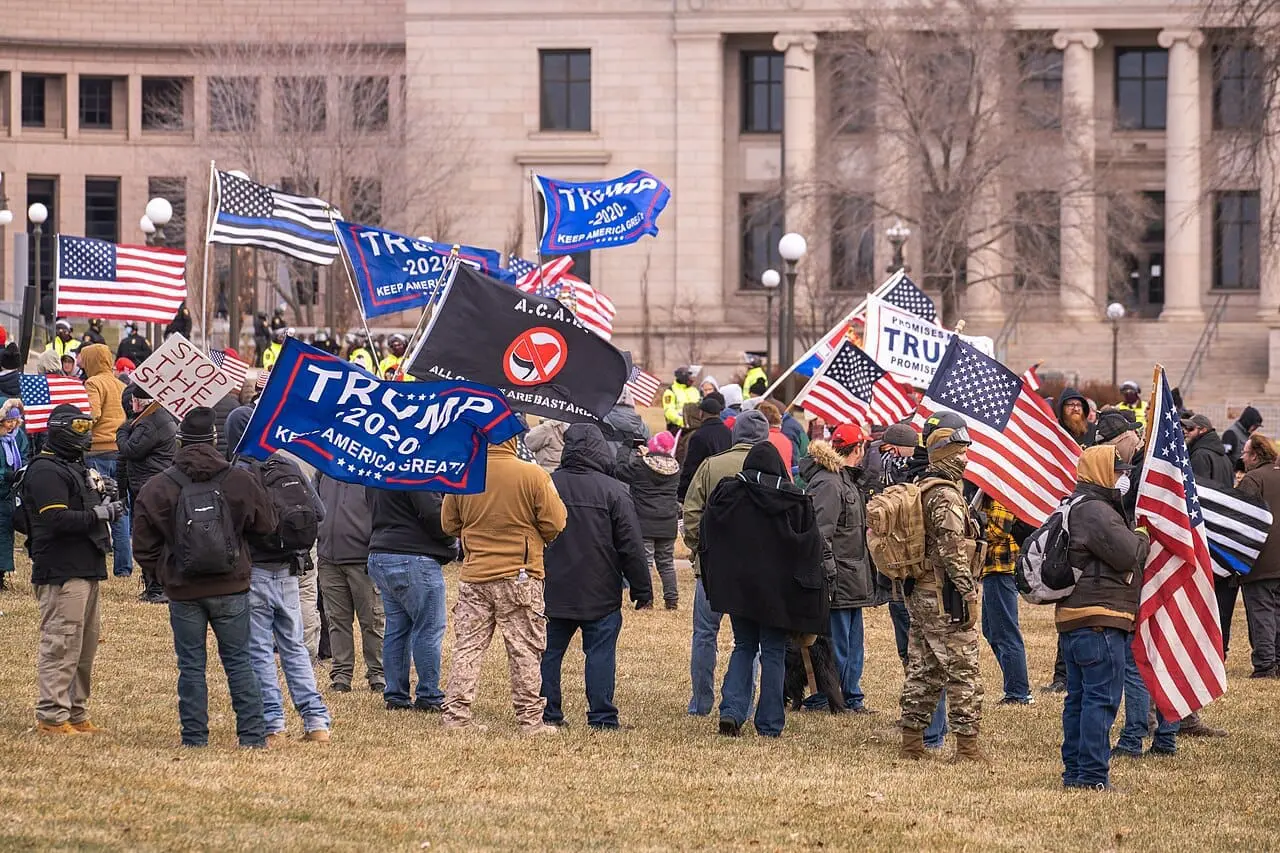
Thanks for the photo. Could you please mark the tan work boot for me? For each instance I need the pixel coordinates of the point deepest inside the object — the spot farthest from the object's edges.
(86, 727)
(317, 736)
(275, 740)
(967, 749)
(55, 728)
(540, 730)
(913, 745)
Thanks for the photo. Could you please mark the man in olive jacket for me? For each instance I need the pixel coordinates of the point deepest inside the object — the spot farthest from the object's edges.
(832, 470)
(750, 429)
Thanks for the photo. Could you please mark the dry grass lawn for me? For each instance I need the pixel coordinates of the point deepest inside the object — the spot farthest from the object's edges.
(397, 782)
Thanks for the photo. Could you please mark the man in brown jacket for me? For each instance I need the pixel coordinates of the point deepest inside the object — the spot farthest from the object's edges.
(502, 531)
(104, 391)
(217, 597)
(1261, 587)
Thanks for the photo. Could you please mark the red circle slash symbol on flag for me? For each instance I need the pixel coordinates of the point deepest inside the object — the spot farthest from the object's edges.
(535, 356)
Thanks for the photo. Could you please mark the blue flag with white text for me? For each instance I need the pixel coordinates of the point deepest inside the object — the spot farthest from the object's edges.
(393, 272)
(407, 436)
(579, 217)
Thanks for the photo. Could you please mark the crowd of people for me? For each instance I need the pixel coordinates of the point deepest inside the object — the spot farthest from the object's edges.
(784, 516)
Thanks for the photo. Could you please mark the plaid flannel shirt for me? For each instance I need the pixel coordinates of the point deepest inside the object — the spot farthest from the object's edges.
(1002, 550)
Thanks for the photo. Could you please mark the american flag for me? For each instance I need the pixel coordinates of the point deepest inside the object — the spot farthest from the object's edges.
(236, 369)
(643, 386)
(96, 278)
(1178, 642)
(250, 214)
(851, 388)
(905, 295)
(263, 376)
(527, 271)
(1020, 455)
(592, 308)
(1032, 377)
(42, 394)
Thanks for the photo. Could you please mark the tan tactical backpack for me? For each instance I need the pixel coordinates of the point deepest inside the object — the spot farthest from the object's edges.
(895, 528)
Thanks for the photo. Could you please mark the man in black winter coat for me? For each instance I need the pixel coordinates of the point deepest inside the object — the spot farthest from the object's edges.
(710, 438)
(1233, 440)
(1208, 454)
(585, 567)
(147, 443)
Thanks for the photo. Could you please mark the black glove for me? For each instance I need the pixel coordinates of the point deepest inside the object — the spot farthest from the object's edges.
(109, 511)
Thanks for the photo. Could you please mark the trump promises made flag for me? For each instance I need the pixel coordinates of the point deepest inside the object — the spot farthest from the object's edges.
(42, 394)
(851, 388)
(96, 278)
(1178, 642)
(250, 214)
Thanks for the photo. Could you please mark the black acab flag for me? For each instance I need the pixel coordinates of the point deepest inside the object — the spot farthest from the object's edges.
(532, 348)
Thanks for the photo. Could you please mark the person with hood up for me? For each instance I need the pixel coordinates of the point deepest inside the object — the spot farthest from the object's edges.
(546, 442)
(708, 385)
(761, 554)
(750, 429)
(832, 471)
(1074, 415)
(147, 444)
(50, 363)
(653, 479)
(1233, 440)
(732, 394)
(15, 452)
(105, 403)
(627, 425)
(710, 437)
(601, 544)
(1097, 620)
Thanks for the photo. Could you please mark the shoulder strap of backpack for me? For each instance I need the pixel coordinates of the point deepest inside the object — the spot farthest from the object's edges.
(177, 476)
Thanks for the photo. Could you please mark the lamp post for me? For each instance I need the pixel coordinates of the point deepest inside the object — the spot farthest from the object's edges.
(37, 214)
(148, 229)
(1115, 313)
(898, 234)
(770, 280)
(6, 216)
(159, 211)
(791, 247)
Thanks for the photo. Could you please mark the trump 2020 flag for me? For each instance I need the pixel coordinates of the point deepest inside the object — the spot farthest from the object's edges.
(392, 272)
(578, 217)
(534, 349)
(407, 436)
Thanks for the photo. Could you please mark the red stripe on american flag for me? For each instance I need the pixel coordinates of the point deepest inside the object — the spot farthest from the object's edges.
(829, 401)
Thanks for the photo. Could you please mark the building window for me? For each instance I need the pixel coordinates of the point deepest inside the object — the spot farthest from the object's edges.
(44, 191)
(174, 190)
(1041, 87)
(33, 100)
(364, 200)
(1236, 233)
(1142, 76)
(762, 92)
(1237, 87)
(233, 104)
(164, 103)
(95, 102)
(300, 104)
(853, 242)
(853, 92)
(368, 103)
(1037, 239)
(102, 208)
(565, 87)
(760, 218)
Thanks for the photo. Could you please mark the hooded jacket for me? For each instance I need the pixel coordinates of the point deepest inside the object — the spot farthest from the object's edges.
(153, 523)
(627, 424)
(693, 418)
(505, 528)
(237, 421)
(761, 551)
(711, 437)
(67, 541)
(1264, 482)
(750, 429)
(1209, 460)
(546, 443)
(407, 523)
(1072, 394)
(654, 479)
(841, 515)
(104, 396)
(347, 525)
(221, 410)
(147, 445)
(1110, 556)
(1233, 440)
(601, 543)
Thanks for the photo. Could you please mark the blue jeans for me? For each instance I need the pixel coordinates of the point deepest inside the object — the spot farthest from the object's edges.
(702, 652)
(413, 598)
(1000, 627)
(228, 615)
(1095, 662)
(850, 653)
(1137, 709)
(600, 645)
(750, 638)
(901, 619)
(276, 617)
(122, 565)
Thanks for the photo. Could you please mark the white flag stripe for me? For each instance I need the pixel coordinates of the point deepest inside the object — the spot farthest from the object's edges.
(1246, 536)
(835, 403)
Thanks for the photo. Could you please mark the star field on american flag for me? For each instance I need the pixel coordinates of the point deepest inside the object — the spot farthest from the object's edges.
(246, 198)
(978, 387)
(908, 297)
(520, 266)
(1171, 446)
(88, 259)
(855, 370)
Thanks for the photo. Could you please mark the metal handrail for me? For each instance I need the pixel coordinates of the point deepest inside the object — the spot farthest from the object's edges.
(1201, 351)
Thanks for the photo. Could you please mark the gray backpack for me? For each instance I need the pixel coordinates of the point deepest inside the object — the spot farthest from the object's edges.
(1043, 573)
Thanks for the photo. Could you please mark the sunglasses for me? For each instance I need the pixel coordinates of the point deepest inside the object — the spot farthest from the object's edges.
(80, 425)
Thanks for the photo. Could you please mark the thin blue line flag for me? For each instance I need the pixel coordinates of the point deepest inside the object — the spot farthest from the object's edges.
(578, 217)
(406, 436)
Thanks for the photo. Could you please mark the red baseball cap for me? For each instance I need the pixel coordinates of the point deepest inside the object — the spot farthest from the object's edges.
(125, 364)
(229, 351)
(847, 435)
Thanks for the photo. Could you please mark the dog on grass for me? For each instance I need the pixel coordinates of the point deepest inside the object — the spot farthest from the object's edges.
(796, 682)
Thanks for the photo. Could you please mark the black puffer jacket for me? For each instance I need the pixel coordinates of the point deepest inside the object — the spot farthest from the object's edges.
(653, 479)
(841, 514)
(147, 445)
(67, 541)
(1209, 460)
(221, 409)
(710, 437)
(601, 543)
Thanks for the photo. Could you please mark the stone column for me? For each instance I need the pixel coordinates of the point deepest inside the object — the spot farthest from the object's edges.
(1182, 196)
(1269, 211)
(799, 126)
(1079, 218)
(699, 206)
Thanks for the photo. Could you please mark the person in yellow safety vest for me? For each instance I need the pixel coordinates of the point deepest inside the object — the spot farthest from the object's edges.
(674, 398)
(360, 354)
(273, 351)
(755, 373)
(63, 343)
(396, 344)
(1133, 402)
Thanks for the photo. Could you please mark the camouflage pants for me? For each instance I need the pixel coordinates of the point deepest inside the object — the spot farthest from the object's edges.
(940, 655)
(516, 608)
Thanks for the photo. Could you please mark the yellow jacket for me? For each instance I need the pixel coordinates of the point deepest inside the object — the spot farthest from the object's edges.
(56, 345)
(753, 375)
(674, 398)
(362, 358)
(1139, 410)
(270, 355)
(388, 363)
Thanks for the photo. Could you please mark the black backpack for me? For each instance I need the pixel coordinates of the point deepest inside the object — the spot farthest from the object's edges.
(298, 526)
(205, 541)
(21, 518)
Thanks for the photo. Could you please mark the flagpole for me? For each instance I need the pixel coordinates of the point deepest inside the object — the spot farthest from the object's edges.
(450, 270)
(537, 227)
(351, 280)
(214, 183)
